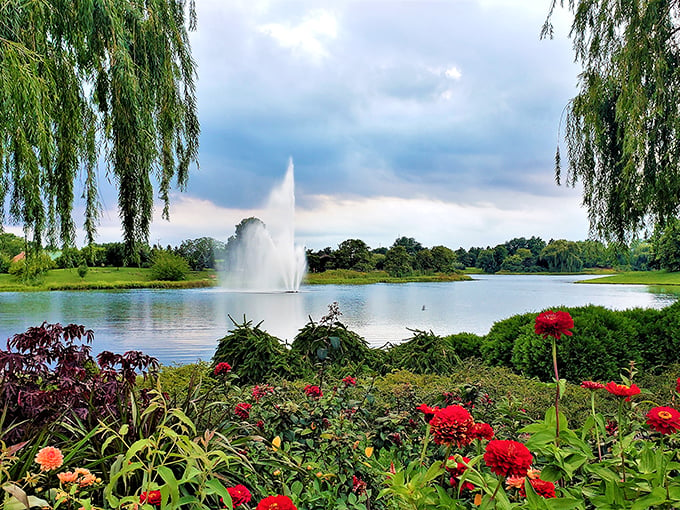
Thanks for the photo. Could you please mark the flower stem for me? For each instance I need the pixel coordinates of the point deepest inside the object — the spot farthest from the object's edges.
(621, 432)
(426, 440)
(557, 393)
(597, 430)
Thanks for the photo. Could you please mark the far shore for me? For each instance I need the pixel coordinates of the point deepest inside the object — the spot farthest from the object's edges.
(111, 278)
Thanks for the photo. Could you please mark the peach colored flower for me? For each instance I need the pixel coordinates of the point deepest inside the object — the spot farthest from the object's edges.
(67, 477)
(515, 481)
(82, 471)
(87, 479)
(49, 458)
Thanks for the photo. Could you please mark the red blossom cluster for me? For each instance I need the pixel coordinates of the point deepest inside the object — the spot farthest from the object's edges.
(542, 488)
(452, 425)
(313, 391)
(665, 420)
(358, 485)
(591, 385)
(261, 391)
(507, 458)
(242, 410)
(349, 381)
(276, 503)
(554, 324)
(457, 471)
(240, 495)
(621, 390)
(150, 497)
(222, 368)
(428, 411)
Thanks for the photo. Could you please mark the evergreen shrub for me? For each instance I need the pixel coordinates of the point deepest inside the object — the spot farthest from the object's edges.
(167, 266)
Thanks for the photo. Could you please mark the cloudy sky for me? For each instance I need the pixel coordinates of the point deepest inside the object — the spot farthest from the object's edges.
(431, 119)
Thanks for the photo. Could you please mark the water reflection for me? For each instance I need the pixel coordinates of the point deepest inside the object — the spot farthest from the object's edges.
(184, 325)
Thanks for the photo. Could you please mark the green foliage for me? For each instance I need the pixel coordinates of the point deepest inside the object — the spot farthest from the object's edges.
(424, 353)
(622, 127)
(498, 345)
(667, 247)
(398, 261)
(31, 269)
(330, 342)
(77, 76)
(5, 262)
(353, 254)
(254, 354)
(82, 270)
(561, 256)
(169, 267)
(201, 253)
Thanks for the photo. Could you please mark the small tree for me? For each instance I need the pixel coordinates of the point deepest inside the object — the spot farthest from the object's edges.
(667, 247)
(169, 267)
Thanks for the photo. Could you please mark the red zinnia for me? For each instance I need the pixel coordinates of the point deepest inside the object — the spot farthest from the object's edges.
(313, 391)
(239, 495)
(222, 368)
(452, 425)
(542, 488)
(621, 390)
(150, 497)
(482, 431)
(242, 410)
(428, 411)
(507, 458)
(276, 503)
(456, 473)
(590, 385)
(553, 324)
(664, 419)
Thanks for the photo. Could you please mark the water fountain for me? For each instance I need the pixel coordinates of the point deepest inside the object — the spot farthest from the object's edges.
(263, 256)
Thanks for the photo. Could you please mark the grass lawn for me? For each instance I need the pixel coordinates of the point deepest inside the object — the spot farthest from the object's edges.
(347, 277)
(640, 278)
(106, 278)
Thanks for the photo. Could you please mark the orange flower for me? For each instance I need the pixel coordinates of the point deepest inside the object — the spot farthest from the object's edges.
(49, 458)
(88, 479)
(67, 477)
(515, 481)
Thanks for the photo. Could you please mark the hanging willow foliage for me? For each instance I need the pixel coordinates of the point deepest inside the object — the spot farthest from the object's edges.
(623, 127)
(82, 79)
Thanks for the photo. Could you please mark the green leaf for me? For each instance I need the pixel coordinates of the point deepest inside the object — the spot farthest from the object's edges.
(169, 478)
(651, 500)
(335, 342)
(562, 503)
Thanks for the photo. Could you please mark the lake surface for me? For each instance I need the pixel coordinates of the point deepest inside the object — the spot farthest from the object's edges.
(182, 326)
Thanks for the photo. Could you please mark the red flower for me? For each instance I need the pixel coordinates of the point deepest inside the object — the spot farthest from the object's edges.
(260, 424)
(482, 431)
(239, 495)
(664, 419)
(452, 425)
(242, 410)
(313, 391)
(349, 381)
(621, 390)
(150, 497)
(222, 368)
(262, 391)
(428, 411)
(358, 485)
(276, 503)
(553, 324)
(507, 458)
(457, 471)
(590, 385)
(542, 488)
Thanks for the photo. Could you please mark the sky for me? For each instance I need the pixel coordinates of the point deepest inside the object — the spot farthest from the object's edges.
(436, 120)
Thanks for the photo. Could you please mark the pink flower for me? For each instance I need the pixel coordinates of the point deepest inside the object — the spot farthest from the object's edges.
(349, 381)
(222, 368)
(242, 410)
(553, 324)
(49, 458)
(590, 385)
(313, 391)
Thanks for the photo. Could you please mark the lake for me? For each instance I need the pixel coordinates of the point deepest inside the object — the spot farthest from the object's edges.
(182, 326)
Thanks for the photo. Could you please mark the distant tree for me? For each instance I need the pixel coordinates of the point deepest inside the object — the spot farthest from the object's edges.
(562, 256)
(11, 244)
(200, 253)
(641, 256)
(398, 262)
(487, 262)
(424, 261)
(623, 127)
(444, 259)
(321, 260)
(465, 258)
(381, 250)
(593, 254)
(667, 247)
(77, 77)
(353, 254)
(412, 246)
(168, 266)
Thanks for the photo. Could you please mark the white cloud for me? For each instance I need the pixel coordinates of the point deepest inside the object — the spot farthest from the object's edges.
(307, 36)
(454, 73)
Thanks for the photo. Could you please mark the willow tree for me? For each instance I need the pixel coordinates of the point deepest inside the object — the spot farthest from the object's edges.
(83, 81)
(623, 127)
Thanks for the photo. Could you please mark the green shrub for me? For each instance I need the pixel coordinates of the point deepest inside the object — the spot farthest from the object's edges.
(169, 267)
(5, 262)
(465, 345)
(82, 270)
(425, 353)
(255, 355)
(498, 344)
(31, 269)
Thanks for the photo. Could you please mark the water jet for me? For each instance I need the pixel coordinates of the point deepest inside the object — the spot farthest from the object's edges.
(262, 256)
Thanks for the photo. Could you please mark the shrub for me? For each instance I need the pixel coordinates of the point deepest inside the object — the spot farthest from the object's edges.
(498, 344)
(168, 266)
(254, 354)
(424, 353)
(465, 345)
(32, 268)
(5, 262)
(82, 270)
(329, 341)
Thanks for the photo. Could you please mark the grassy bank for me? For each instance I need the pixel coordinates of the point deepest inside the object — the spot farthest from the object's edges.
(640, 278)
(106, 278)
(346, 277)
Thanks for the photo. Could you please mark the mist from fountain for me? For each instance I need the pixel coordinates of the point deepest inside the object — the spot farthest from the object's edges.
(263, 257)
